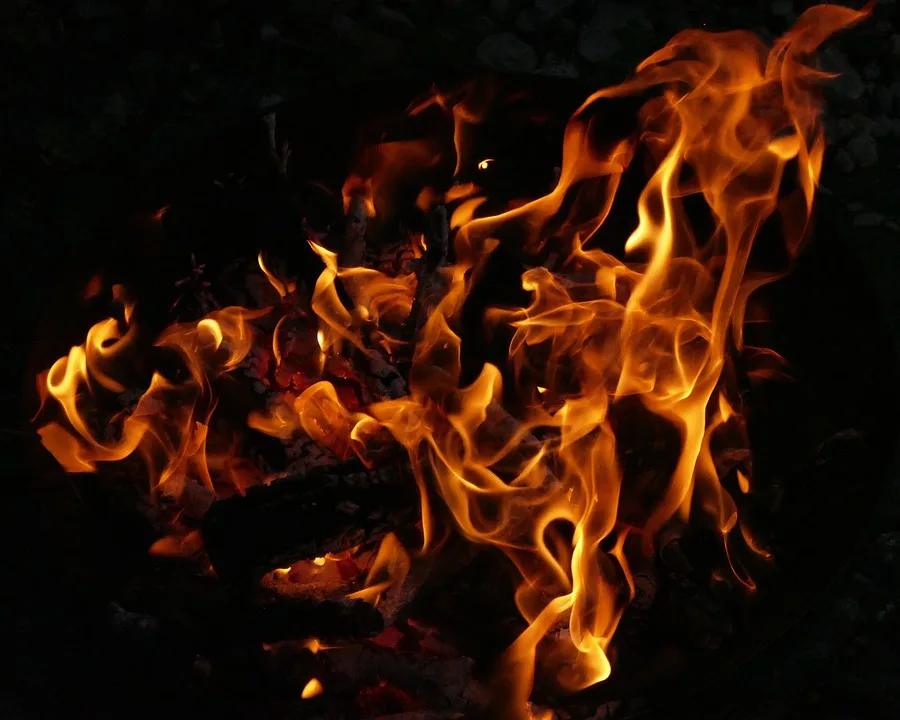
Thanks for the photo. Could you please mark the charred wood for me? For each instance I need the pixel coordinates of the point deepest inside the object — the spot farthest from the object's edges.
(304, 516)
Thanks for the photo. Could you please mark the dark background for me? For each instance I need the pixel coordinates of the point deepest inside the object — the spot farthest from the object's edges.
(113, 107)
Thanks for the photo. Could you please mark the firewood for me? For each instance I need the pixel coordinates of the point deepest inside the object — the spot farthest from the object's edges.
(298, 517)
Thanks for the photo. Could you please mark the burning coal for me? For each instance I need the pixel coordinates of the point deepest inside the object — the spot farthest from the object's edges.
(603, 345)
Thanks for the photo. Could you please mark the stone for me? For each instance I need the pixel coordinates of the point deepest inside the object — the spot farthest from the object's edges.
(96, 9)
(482, 25)
(848, 85)
(844, 161)
(506, 52)
(499, 8)
(882, 127)
(862, 122)
(525, 21)
(394, 20)
(869, 219)
(316, 7)
(347, 29)
(894, 87)
(782, 8)
(269, 33)
(597, 39)
(895, 44)
(863, 149)
(548, 9)
(844, 127)
(872, 71)
(555, 66)
(895, 127)
(882, 99)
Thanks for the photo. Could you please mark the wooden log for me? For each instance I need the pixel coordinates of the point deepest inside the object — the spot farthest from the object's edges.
(293, 518)
(173, 600)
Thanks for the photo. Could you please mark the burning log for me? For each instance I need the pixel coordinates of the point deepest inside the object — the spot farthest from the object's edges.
(446, 682)
(301, 617)
(427, 276)
(304, 516)
(199, 607)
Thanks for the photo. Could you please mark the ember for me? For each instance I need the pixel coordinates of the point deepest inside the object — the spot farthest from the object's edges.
(615, 424)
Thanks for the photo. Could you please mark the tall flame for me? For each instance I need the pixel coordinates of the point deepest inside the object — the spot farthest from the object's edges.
(605, 345)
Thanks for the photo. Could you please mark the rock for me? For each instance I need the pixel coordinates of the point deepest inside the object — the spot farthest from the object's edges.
(269, 33)
(882, 127)
(268, 102)
(548, 9)
(848, 85)
(893, 226)
(855, 207)
(96, 9)
(597, 40)
(895, 127)
(894, 87)
(505, 51)
(882, 99)
(782, 8)
(525, 21)
(314, 7)
(895, 44)
(872, 71)
(483, 25)
(844, 161)
(869, 219)
(499, 8)
(843, 128)
(862, 122)
(863, 149)
(555, 66)
(394, 20)
(347, 29)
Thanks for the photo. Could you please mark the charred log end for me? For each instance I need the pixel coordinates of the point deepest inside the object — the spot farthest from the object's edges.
(302, 517)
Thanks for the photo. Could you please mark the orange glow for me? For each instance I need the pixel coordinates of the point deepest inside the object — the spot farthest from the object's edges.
(312, 689)
(604, 343)
(390, 568)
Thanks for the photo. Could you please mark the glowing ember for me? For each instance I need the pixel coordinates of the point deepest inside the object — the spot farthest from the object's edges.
(726, 120)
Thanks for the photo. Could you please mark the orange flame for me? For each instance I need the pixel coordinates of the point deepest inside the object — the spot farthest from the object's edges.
(607, 342)
(312, 689)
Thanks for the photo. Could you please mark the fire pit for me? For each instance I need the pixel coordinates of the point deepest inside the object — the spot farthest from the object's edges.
(481, 432)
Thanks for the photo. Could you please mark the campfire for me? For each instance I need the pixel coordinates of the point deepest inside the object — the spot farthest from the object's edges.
(577, 439)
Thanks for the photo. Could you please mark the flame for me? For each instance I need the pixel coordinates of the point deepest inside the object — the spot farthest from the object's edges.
(389, 569)
(312, 689)
(605, 345)
(169, 423)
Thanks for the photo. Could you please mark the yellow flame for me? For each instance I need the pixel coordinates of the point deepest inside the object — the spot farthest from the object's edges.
(312, 689)
(642, 343)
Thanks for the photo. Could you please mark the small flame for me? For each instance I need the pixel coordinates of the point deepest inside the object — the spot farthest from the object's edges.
(390, 568)
(484, 164)
(282, 287)
(312, 689)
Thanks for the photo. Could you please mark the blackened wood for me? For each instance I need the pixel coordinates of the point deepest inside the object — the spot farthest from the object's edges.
(298, 517)
(297, 618)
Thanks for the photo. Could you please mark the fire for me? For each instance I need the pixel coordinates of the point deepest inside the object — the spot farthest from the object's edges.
(602, 344)
(312, 689)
